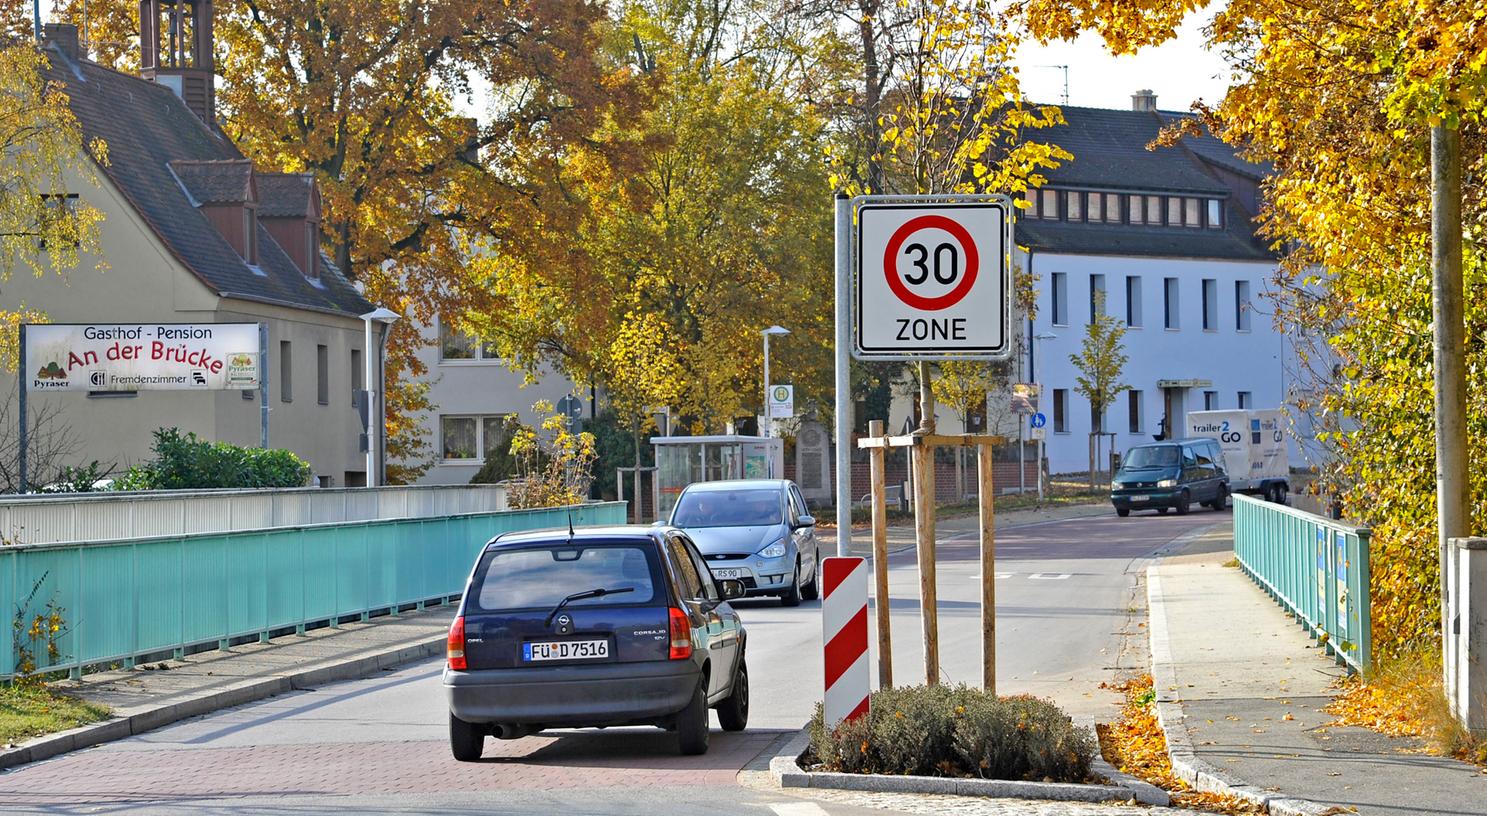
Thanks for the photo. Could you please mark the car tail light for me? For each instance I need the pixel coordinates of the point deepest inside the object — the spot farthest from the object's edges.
(456, 652)
(681, 635)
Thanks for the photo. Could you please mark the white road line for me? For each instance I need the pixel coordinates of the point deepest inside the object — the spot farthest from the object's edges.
(1049, 576)
(797, 809)
(999, 576)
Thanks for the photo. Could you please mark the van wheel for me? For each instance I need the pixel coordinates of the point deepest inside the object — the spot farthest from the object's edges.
(1182, 504)
(466, 740)
(792, 593)
(1161, 511)
(733, 713)
(1122, 511)
(812, 591)
(1222, 500)
(691, 723)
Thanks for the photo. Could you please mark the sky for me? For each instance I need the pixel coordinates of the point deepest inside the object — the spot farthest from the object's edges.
(1178, 72)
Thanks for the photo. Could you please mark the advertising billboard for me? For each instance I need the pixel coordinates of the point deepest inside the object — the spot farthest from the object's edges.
(141, 357)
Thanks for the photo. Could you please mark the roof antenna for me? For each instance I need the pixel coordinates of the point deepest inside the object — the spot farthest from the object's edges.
(570, 523)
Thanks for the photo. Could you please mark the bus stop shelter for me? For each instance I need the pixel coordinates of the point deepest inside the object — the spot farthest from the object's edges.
(682, 460)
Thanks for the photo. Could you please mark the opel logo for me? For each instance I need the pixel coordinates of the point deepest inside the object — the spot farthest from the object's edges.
(565, 624)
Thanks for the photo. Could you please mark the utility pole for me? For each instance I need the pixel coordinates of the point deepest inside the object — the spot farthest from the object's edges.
(1451, 490)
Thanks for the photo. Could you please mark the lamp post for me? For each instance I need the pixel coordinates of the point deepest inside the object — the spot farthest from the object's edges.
(375, 374)
(1038, 377)
(768, 414)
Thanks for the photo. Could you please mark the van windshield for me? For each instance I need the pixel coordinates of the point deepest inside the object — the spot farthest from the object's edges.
(541, 577)
(1151, 457)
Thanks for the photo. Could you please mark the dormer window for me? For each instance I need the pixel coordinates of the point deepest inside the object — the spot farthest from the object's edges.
(312, 250)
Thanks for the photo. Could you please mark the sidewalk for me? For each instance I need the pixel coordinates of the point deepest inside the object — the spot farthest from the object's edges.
(161, 693)
(1244, 685)
(901, 536)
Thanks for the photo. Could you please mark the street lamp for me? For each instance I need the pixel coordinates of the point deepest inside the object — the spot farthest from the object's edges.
(1038, 375)
(374, 374)
(768, 414)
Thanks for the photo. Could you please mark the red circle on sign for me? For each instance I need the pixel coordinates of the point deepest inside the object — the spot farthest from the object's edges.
(896, 242)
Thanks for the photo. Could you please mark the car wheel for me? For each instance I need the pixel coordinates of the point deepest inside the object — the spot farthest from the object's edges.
(792, 592)
(733, 713)
(1122, 511)
(812, 591)
(1223, 499)
(1182, 503)
(466, 740)
(1161, 511)
(691, 723)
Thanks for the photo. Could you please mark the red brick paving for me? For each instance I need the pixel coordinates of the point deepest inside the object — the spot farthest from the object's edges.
(535, 763)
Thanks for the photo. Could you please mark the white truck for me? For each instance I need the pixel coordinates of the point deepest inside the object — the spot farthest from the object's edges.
(1255, 450)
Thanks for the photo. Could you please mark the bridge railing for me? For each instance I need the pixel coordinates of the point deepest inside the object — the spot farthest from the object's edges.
(126, 600)
(1314, 567)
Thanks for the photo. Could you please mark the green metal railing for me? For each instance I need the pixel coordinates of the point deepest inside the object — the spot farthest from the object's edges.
(1314, 567)
(124, 600)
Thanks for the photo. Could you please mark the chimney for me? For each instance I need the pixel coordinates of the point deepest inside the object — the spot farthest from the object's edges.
(175, 50)
(62, 36)
(1144, 100)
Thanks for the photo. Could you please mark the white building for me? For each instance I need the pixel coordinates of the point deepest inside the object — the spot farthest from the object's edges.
(1168, 236)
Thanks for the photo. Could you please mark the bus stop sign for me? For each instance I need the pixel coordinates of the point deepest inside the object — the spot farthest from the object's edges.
(932, 278)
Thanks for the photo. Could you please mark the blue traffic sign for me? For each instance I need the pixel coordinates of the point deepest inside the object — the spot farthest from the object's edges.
(1038, 420)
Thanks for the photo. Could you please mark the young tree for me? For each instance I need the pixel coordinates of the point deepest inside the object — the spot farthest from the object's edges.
(1100, 362)
(963, 385)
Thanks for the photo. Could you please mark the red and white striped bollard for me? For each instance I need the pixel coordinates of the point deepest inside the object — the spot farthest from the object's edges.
(844, 631)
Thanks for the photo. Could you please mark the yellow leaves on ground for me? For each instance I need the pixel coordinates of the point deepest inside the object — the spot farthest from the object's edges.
(1403, 697)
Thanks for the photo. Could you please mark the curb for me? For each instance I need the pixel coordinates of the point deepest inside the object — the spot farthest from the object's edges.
(247, 691)
(787, 773)
(1186, 764)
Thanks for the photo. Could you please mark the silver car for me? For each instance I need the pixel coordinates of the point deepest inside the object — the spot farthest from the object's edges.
(755, 531)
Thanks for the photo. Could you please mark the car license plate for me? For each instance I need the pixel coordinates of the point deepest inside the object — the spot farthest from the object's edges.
(735, 573)
(1138, 498)
(565, 650)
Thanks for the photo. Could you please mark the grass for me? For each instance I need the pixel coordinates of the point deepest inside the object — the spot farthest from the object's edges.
(33, 710)
(1402, 697)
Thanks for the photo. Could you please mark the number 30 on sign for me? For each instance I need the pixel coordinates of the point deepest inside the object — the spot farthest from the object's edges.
(932, 278)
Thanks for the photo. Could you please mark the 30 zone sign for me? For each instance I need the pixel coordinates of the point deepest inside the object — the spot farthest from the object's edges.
(932, 279)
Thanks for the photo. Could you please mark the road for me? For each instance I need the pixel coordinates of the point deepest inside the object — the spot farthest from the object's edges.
(1066, 591)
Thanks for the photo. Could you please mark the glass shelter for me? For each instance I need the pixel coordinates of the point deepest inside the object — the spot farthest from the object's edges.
(682, 460)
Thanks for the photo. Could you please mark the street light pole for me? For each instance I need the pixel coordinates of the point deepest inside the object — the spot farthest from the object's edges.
(765, 431)
(376, 373)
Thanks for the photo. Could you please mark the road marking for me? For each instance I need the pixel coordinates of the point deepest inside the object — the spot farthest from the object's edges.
(798, 809)
(1049, 576)
(999, 575)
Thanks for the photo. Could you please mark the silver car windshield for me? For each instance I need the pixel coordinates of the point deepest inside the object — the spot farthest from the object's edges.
(746, 507)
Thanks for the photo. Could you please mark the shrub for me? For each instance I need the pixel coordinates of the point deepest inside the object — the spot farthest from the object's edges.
(960, 731)
(184, 462)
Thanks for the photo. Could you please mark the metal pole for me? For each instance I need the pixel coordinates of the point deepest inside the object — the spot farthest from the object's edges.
(24, 372)
(768, 415)
(377, 418)
(1451, 487)
(843, 375)
(369, 375)
(262, 386)
(1038, 374)
(36, 15)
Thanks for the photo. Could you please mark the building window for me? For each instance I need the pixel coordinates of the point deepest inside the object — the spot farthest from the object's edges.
(1060, 410)
(1133, 301)
(1030, 197)
(1060, 293)
(1075, 206)
(1210, 400)
(1174, 211)
(474, 438)
(1133, 403)
(1153, 209)
(322, 375)
(1137, 215)
(1210, 304)
(1169, 298)
(1049, 208)
(1096, 206)
(1245, 400)
(458, 437)
(1112, 208)
(312, 252)
(286, 372)
(1096, 296)
(1241, 306)
(358, 371)
(1215, 213)
(1190, 213)
(457, 346)
(250, 236)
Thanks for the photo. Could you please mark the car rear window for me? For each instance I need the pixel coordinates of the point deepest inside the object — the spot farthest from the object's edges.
(541, 577)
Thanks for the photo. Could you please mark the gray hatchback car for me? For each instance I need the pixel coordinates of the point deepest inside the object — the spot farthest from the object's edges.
(757, 531)
(598, 627)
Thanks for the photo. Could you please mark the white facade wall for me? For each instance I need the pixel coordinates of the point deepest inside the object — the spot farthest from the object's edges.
(1234, 359)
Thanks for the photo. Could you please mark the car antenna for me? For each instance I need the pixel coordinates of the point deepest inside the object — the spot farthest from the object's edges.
(570, 524)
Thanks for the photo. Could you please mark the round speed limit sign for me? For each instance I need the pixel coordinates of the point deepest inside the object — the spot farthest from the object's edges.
(933, 279)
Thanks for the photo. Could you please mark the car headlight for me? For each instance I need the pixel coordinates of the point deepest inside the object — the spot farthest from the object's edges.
(1114, 485)
(1167, 483)
(774, 550)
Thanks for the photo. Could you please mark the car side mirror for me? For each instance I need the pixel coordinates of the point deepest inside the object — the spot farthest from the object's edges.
(730, 588)
(805, 521)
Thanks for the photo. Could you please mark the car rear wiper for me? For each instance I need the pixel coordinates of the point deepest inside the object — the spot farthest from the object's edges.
(583, 596)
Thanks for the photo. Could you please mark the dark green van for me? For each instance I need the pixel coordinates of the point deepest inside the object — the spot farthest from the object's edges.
(1171, 475)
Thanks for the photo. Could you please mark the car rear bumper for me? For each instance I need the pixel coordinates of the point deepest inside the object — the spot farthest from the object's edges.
(611, 694)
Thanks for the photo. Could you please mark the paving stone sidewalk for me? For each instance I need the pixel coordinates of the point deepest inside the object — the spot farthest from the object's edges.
(1251, 685)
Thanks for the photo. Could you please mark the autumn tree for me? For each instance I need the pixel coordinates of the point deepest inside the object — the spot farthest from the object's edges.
(964, 385)
(1100, 361)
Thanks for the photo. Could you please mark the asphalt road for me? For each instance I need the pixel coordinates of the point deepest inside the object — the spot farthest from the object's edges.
(1066, 593)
